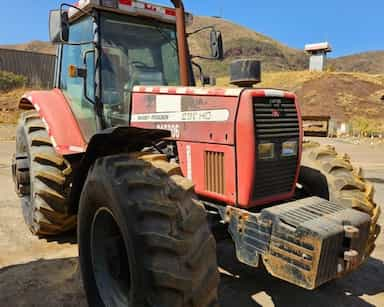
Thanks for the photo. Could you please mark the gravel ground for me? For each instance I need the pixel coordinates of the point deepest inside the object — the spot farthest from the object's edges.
(39, 273)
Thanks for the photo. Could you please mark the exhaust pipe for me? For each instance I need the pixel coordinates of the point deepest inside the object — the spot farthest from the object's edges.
(182, 42)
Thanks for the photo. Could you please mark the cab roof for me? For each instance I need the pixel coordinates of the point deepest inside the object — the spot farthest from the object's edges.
(129, 7)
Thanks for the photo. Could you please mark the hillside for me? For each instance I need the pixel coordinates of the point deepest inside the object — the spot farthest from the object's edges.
(35, 46)
(241, 42)
(350, 92)
(238, 42)
(343, 96)
(368, 62)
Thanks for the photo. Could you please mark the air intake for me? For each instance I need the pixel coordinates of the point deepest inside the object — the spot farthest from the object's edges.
(245, 73)
(214, 172)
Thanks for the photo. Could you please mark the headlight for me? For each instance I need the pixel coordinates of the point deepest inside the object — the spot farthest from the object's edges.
(289, 149)
(266, 151)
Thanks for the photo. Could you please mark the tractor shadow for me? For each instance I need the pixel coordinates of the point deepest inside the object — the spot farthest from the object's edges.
(58, 283)
(244, 286)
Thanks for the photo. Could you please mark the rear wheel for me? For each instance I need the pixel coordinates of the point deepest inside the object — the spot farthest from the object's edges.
(42, 178)
(143, 239)
(326, 174)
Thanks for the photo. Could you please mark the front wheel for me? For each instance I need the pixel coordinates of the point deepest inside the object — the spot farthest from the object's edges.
(326, 174)
(143, 239)
(42, 178)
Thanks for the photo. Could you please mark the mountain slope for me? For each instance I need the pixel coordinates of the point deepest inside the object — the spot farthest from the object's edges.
(343, 96)
(238, 42)
(369, 62)
(243, 42)
(34, 46)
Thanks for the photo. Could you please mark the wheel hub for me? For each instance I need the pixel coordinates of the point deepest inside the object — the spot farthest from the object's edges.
(110, 260)
(20, 173)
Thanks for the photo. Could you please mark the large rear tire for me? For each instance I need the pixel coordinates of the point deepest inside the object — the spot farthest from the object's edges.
(326, 174)
(42, 179)
(143, 238)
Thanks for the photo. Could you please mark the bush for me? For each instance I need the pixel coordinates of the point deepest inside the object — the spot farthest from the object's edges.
(10, 81)
(362, 126)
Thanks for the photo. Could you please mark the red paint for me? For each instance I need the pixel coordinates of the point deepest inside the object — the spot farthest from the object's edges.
(208, 132)
(197, 163)
(300, 140)
(290, 96)
(125, 2)
(234, 137)
(246, 154)
(275, 113)
(63, 127)
(245, 147)
(196, 91)
(258, 93)
(170, 12)
(150, 7)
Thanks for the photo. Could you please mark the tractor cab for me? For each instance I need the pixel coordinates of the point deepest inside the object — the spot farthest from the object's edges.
(108, 47)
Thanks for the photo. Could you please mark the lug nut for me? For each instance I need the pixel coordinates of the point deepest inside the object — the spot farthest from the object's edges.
(351, 255)
(351, 232)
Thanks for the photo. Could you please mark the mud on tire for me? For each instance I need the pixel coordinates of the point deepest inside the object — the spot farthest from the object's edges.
(160, 249)
(326, 174)
(44, 197)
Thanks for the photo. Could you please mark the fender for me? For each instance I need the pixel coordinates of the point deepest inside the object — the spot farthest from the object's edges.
(68, 140)
(58, 118)
(111, 141)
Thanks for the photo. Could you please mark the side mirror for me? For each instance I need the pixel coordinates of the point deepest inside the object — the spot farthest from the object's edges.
(216, 40)
(58, 26)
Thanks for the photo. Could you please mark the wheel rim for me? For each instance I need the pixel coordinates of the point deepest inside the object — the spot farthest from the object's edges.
(109, 260)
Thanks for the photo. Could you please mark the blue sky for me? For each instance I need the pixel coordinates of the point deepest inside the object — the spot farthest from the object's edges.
(350, 25)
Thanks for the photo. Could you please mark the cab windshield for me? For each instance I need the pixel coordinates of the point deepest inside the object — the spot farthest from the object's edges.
(134, 52)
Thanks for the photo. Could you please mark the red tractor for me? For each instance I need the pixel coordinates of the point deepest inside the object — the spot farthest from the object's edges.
(146, 165)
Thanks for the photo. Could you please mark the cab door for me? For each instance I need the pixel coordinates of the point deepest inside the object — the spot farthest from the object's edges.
(73, 88)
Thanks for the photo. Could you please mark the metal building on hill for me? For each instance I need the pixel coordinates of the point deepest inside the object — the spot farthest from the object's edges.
(318, 52)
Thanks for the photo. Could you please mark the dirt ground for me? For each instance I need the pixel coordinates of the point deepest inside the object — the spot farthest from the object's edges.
(39, 273)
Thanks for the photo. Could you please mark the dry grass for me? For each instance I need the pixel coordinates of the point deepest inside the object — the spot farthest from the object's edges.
(293, 80)
(8, 105)
(287, 80)
(33, 46)
(343, 96)
(346, 99)
(366, 127)
(370, 62)
(10, 81)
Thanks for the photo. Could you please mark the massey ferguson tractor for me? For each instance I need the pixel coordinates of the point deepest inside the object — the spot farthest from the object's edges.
(148, 166)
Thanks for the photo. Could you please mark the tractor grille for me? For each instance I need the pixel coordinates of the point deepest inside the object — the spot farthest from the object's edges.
(214, 172)
(276, 121)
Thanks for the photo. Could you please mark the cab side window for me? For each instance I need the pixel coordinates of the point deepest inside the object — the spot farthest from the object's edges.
(73, 88)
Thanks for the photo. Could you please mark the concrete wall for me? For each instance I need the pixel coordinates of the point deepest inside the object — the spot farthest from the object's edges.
(38, 68)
